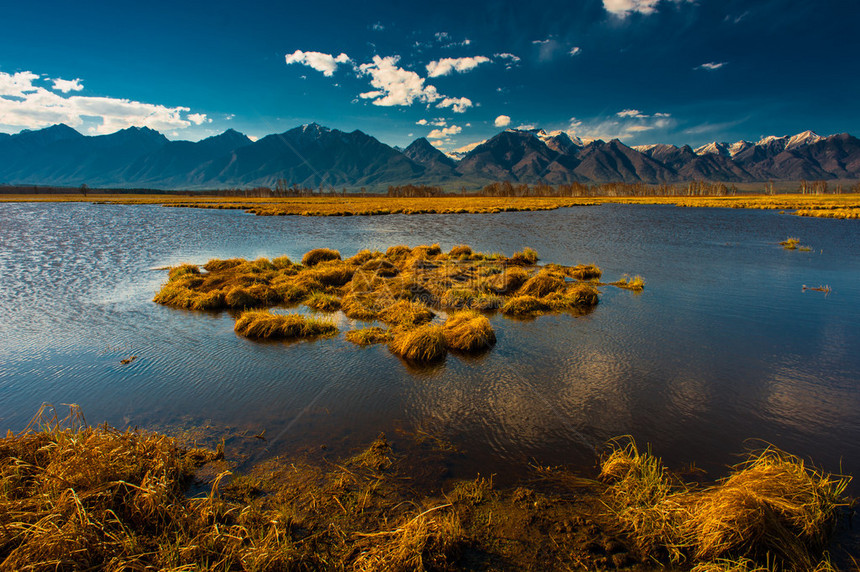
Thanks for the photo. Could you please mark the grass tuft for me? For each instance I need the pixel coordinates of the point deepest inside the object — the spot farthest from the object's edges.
(468, 332)
(636, 283)
(422, 344)
(526, 257)
(368, 336)
(523, 306)
(317, 255)
(262, 324)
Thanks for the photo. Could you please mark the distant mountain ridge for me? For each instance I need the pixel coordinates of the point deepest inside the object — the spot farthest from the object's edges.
(313, 155)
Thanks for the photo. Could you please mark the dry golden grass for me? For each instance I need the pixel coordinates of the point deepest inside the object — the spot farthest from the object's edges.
(790, 243)
(317, 255)
(323, 302)
(771, 507)
(524, 306)
(74, 497)
(368, 336)
(636, 283)
(422, 344)
(468, 332)
(402, 287)
(262, 324)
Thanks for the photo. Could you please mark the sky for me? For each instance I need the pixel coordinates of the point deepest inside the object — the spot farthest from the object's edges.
(643, 71)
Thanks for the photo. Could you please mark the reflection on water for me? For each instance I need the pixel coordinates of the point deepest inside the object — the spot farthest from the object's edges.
(723, 345)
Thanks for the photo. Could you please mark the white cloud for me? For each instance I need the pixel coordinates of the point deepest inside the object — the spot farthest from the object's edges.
(458, 104)
(630, 113)
(198, 118)
(395, 85)
(575, 51)
(710, 66)
(526, 126)
(325, 63)
(442, 36)
(506, 56)
(67, 85)
(623, 8)
(502, 121)
(421, 122)
(444, 132)
(377, 27)
(446, 66)
(26, 105)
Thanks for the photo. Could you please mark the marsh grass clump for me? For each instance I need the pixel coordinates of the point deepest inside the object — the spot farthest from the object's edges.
(526, 257)
(636, 283)
(422, 344)
(322, 302)
(262, 324)
(369, 336)
(402, 287)
(772, 507)
(584, 272)
(508, 281)
(468, 332)
(317, 255)
(525, 306)
(790, 243)
(406, 313)
(79, 497)
(541, 284)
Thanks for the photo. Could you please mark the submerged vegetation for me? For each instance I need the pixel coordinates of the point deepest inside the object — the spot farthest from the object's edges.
(78, 497)
(431, 301)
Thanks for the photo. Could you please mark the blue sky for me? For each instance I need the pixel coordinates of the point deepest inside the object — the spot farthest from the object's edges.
(646, 71)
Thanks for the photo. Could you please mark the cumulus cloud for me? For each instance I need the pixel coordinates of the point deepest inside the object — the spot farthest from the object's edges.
(395, 85)
(710, 66)
(325, 63)
(457, 104)
(623, 8)
(502, 121)
(444, 132)
(67, 85)
(446, 66)
(24, 104)
(377, 27)
(575, 51)
(421, 122)
(630, 113)
(198, 118)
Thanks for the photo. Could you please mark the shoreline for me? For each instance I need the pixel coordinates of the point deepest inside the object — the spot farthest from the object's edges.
(843, 206)
(389, 506)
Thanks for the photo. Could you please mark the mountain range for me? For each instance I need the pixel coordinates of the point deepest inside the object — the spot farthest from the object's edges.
(313, 155)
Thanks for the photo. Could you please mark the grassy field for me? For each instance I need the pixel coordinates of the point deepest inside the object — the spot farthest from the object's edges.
(845, 205)
(75, 497)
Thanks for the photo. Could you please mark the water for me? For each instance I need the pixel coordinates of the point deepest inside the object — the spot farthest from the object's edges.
(722, 346)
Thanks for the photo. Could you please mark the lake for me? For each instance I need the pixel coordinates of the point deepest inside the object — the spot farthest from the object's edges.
(722, 346)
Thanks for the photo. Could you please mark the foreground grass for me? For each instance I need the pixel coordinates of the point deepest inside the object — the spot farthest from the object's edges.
(403, 288)
(77, 497)
(844, 205)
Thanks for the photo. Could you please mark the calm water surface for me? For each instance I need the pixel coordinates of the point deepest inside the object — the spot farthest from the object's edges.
(722, 346)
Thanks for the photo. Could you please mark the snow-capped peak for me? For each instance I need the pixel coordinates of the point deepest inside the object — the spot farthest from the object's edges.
(770, 139)
(739, 146)
(712, 149)
(805, 138)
